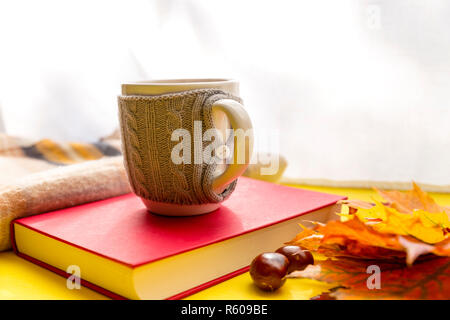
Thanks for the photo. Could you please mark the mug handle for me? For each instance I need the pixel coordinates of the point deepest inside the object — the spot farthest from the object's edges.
(239, 119)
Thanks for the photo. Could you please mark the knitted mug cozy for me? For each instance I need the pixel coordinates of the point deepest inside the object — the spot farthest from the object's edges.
(147, 123)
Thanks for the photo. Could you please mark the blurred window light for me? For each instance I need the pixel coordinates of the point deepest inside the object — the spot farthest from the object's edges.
(358, 90)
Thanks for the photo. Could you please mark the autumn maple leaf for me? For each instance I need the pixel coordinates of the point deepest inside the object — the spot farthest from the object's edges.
(420, 224)
(414, 199)
(428, 279)
(407, 227)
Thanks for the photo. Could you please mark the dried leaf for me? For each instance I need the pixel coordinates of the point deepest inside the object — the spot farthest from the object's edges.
(414, 249)
(413, 213)
(380, 231)
(352, 239)
(442, 248)
(429, 279)
(409, 201)
(356, 204)
(309, 238)
(423, 225)
(402, 237)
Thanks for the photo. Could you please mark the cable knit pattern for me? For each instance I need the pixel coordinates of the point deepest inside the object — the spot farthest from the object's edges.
(147, 123)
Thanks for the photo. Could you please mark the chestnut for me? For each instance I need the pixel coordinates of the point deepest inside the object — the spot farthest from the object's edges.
(268, 270)
(298, 257)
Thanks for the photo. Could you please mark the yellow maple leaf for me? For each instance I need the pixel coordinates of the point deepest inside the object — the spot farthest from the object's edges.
(408, 225)
(432, 219)
(407, 213)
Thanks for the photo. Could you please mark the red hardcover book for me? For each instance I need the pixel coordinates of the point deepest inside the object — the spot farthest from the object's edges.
(122, 250)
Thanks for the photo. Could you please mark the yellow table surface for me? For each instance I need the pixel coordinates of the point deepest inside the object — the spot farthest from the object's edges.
(20, 279)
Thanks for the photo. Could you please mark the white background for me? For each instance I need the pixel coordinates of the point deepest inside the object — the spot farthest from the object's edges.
(355, 89)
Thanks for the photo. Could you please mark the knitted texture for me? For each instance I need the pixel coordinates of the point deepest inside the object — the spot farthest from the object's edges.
(147, 123)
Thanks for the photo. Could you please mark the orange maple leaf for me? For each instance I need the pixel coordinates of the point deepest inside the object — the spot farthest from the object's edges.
(349, 239)
(409, 227)
(414, 199)
(421, 225)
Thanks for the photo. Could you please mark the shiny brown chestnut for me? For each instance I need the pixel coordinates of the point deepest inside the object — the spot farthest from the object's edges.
(298, 257)
(268, 270)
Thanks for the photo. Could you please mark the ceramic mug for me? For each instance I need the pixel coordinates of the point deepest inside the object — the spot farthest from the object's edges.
(226, 114)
